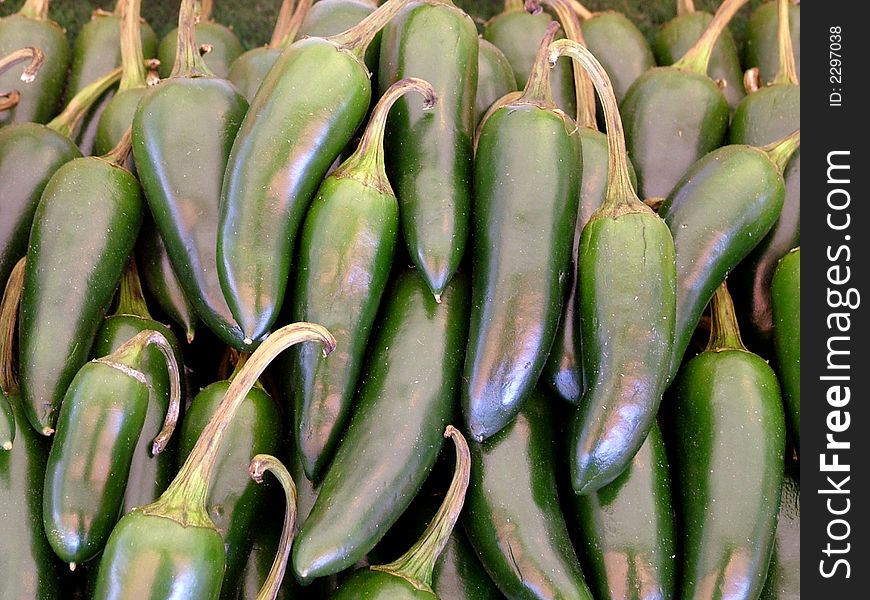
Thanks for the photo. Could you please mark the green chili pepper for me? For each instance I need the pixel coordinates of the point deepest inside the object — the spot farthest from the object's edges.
(495, 78)
(31, 26)
(97, 50)
(295, 129)
(627, 529)
(406, 398)
(235, 504)
(83, 233)
(185, 203)
(732, 196)
(512, 516)
(727, 404)
(171, 548)
(516, 33)
(30, 153)
(430, 153)
(248, 70)
(149, 474)
(675, 115)
(222, 45)
(678, 35)
(522, 249)
(784, 575)
(331, 17)
(410, 576)
(345, 254)
(627, 294)
(786, 300)
(762, 47)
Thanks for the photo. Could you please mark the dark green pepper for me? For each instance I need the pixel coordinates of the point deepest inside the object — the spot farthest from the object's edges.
(430, 152)
(527, 149)
(171, 548)
(331, 17)
(512, 515)
(495, 78)
(762, 47)
(248, 70)
(345, 255)
(407, 396)
(786, 300)
(678, 35)
(83, 232)
(726, 405)
(410, 576)
(295, 129)
(784, 575)
(185, 202)
(43, 149)
(733, 196)
(97, 50)
(31, 26)
(627, 282)
(675, 115)
(223, 45)
(627, 529)
(517, 33)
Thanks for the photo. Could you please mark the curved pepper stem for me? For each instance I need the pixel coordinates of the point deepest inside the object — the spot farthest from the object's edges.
(35, 9)
(357, 38)
(621, 197)
(289, 22)
(366, 164)
(119, 154)
(698, 57)
(205, 9)
(188, 60)
(583, 12)
(781, 151)
(132, 57)
(9, 307)
(685, 7)
(32, 54)
(787, 71)
(184, 500)
(538, 90)
(68, 121)
(131, 299)
(724, 330)
(418, 562)
(259, 465)
(128, 357)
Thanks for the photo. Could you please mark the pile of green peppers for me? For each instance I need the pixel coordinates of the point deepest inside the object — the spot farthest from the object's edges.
(570, 249)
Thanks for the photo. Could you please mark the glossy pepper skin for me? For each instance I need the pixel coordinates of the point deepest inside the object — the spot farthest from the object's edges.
(512, 514)
(766, 115)
(83, 233)
(235, 503)
(377, 585)
(32, 27)
(459, 575)
(761, 49)
(527, 149)
(331, 17)
(786, 297)
(24, 548)
(783, 577)
(430, 152)
(627, 529)
(225, 48)
(621, 48)
(495, 78)
(116, 118)
(408, 394)
(727, 403)
(345, 255)
(733, 196)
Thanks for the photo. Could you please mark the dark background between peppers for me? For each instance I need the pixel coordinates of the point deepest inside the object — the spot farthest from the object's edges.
(253, 20)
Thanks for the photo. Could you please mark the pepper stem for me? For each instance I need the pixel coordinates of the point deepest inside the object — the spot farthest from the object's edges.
(685, 7)
(259, 465)
(9, 307)
(417, 563)
(9, 100)
(119, 154)
(621, 197)
(68, 121)
(188, 61)
(289, 22)
(131, 300)
(186, 496)
(205, 9)
(513, 5)
(132, 57)
(538, 90)
(787, 71)
(724, 330)
(751, 80)
(128, 355)
(366, 164)
(35, 9)
(781, 151)
(698, 57)
(357, 38)
(32, 54)
(583, 12)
